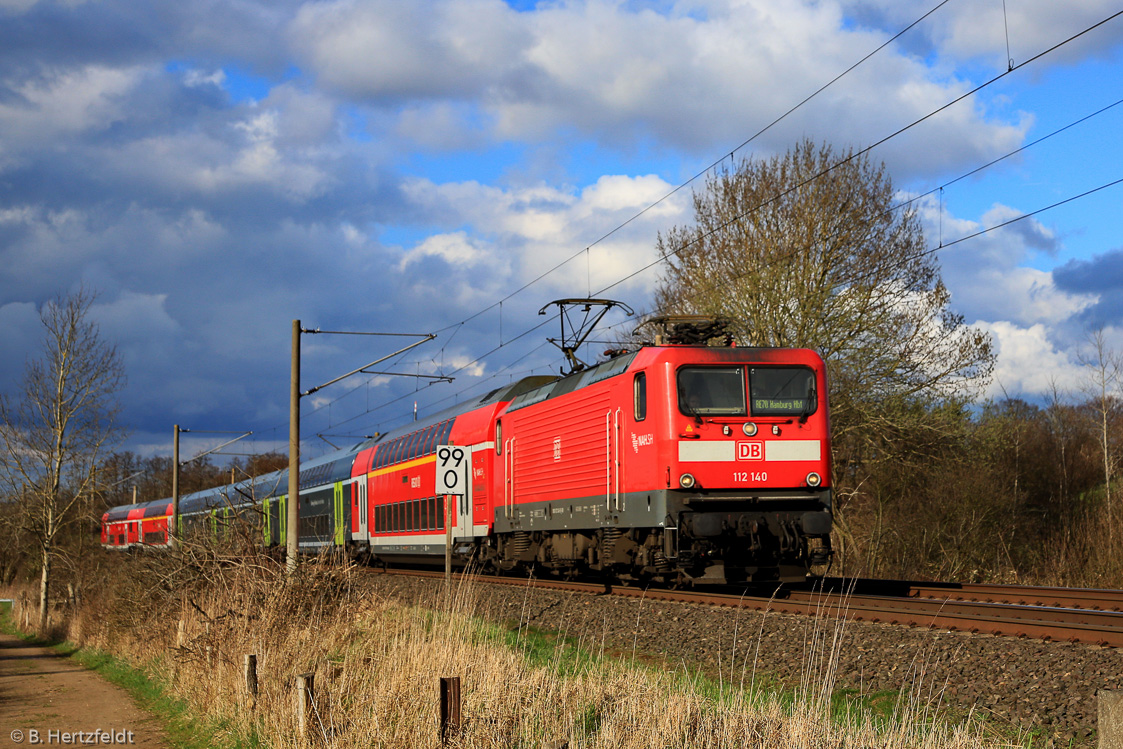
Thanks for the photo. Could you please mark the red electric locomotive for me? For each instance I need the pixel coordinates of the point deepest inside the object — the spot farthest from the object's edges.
(680, 463)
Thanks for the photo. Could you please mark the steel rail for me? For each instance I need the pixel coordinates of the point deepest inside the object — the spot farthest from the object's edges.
(1028, 595)
(930, 606)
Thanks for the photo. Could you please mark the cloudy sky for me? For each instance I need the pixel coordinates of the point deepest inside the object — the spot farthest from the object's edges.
(216, 169)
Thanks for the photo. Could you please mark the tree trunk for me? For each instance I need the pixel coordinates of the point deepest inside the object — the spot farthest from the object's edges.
(44, 588)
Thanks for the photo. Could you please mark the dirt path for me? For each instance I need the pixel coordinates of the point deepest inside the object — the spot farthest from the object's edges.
(49, 700)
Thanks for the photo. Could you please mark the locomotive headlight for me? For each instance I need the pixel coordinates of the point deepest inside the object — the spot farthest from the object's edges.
(748, 428)
(686, 481)
(814, 479)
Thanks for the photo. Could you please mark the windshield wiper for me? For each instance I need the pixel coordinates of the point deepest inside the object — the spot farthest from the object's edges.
(812, 401)
(686, 408)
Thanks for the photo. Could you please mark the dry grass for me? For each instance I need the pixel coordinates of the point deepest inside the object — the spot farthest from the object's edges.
(377, 664)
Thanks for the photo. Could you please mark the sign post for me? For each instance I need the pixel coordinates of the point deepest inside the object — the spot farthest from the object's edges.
(452, 482)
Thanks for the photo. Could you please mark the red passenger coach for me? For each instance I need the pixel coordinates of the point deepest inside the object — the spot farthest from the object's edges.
(395, 508)
(136, 525)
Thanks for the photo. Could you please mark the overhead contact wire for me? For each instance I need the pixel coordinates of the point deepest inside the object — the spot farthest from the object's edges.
(842, 162)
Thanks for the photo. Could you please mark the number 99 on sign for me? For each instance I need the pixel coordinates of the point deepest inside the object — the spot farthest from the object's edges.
(452, 473)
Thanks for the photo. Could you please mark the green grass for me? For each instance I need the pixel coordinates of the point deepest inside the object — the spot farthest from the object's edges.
(565, 656)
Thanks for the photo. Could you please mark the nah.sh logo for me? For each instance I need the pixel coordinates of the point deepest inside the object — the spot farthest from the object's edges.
(750, 451)
(557, 449)
(642, 440)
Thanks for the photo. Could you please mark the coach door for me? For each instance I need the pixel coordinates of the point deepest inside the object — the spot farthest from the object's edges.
(481, 475)
(463, 505)
(613, 468)
(362, 527)
(509, 479)
(340, 519)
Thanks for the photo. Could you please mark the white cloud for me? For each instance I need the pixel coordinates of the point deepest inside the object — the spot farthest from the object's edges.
(454, 249)
(533, 229)
(199, 78)
(251, 158)
(696, 81)
(981, 29)
(1024, 296)
(65, 102)
(387, 48)
(991, 275)
(1028, 362)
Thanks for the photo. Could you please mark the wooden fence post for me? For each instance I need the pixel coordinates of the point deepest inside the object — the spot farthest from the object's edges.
(250, 669)
(181, 634)
(1110, 719)
(305, 684)
(450, 707)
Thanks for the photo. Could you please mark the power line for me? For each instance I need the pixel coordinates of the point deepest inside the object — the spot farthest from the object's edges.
(459, 325)
(739, 147)
(863, 151)
(850, 157)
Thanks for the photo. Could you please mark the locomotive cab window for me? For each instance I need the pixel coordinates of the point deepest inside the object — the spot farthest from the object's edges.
(782, 391)
(640, 386)
(711, 391)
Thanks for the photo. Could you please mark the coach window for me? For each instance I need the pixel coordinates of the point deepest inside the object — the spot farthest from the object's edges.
(640, 390)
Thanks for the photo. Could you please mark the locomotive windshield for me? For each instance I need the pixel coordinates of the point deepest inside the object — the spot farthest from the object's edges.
(782, 391)
(711, 391)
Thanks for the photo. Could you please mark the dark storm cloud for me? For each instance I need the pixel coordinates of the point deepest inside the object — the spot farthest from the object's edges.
(1103, 276)
(54, 34)
(206, 223)
(121, 32)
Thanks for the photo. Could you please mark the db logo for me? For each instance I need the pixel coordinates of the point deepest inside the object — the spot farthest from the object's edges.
(750, 451)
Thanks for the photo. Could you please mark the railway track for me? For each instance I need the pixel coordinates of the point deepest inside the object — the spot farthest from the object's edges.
(1057, 614)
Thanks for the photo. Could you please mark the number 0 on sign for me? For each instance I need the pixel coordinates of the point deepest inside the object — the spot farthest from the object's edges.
(452, 469)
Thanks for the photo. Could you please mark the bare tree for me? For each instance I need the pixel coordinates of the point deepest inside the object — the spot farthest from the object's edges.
(53, 437)
(805, 249)
(1102, 386)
